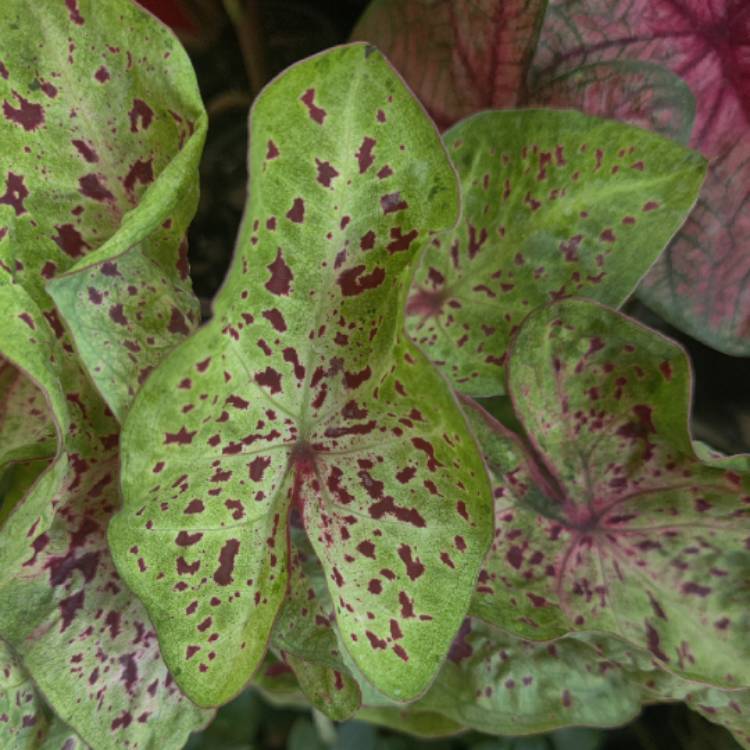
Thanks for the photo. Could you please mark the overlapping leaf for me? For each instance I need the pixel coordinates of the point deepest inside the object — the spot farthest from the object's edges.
(556, 204)
(25, 723)
(101, 126)
(84, 144)
(608, 520)
(458, 56)
(303, 392)
(701, 282)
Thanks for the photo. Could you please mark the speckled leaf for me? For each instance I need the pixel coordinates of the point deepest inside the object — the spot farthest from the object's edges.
(23, 723)
(556, 204)
(26, 428)
(331, 691)
(458, 56)
(102, 127)
(633, 533)
(639, 93)
(700, 284)
(302, 391)
(495, 683)
(84, 639)
(306, 634)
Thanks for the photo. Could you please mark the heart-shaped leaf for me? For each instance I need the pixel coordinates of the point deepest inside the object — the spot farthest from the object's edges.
(302, 391)
(700, 283)
(77, 198)
(607, 520)
(555, 204)
(458, 56)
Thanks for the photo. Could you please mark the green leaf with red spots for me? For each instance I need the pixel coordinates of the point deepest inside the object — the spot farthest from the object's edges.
(71, 73)
(495, 683)
(700, 283)
(102, 127)
(607, 520)
(555, 204)
(458, 56)
(303, 392)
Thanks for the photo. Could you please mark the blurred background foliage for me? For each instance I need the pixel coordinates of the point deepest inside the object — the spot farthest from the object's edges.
(237, 46)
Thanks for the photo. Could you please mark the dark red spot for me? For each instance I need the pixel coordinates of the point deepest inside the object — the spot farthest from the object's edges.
(91, 186)
(74, 13)
(269, 378)
(515, 557)
(400, 242)
(177, 323)
(316, 113)
(276, 319)
(364, 154)
(69, 240)
(223, 574)
(653, 643)
(141, 171)
(194, 506)
(68, 608)
(117, 315)
(182, 437)
(696, 588)
(367, 242)
(414, 567)
(257, 467)
(185, 539)
(354, 281)
(367, 549)
(86, 151)
(140, 112)
(392, 203)
(297, 212)
(326, 172)
(15, 194)
(271, 150)
(375, 642)
(407, 605)
(102, 74)
(281, 276)
(29, 116)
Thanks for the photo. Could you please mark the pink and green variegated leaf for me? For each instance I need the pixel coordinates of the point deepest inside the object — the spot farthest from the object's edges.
(635, 535)
(700, 284)
(102, 126)
(458, 56)
(27, 430)
(639, 93)
(495, 683)
(303, 392)
(555, 204)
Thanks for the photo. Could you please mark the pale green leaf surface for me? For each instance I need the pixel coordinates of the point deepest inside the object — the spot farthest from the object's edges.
(302, 392)
(556, 204)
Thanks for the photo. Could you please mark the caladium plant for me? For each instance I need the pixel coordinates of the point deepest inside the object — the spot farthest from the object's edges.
(679, 68)
(293, 494)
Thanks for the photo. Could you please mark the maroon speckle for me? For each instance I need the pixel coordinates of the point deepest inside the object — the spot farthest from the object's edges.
(69, 240)
(257, 467)
(375, 642)
(399, 241)
(392, 203)
(182, 437)
(364, 154)
(110, 269)
(223, 574)
(102, 74)
(272, 150)
(186, 539)
(281, 275)
(141, 171)
(177, 323)
(297, 212)
(269, 378)
(91, 186)
(653, 643)
(316, 113)
(354, 281)
(367, 549)
(86, 151)
(74, 13)
(15, 194)
(367, 242)
(124, 720)
(117, 315)
(326, 172)
(68, 608)
(95, 297)
(515, 557)
(29, 116)
(428, 450)
(696, 589)
(414, 567)
(140, 112)
(276, 319)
